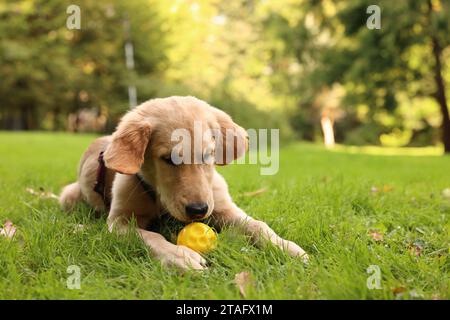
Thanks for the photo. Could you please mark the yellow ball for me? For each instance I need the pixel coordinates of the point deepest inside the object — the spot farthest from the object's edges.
(198, 236)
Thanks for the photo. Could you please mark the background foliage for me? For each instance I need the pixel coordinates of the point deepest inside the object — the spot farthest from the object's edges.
(278, 64)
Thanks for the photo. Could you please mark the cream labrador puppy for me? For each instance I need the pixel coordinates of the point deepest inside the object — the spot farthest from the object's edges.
(133, 174)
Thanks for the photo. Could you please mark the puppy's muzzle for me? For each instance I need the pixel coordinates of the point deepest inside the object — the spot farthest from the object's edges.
(196, 210)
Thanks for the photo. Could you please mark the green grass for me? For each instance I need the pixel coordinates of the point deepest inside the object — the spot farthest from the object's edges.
(320, 199)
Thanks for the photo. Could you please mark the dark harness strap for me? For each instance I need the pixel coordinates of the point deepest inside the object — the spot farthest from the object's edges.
(149, 190)
(100, 186)
(100, 183)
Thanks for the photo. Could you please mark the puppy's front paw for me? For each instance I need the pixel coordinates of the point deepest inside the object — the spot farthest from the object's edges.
(294, 250)
(181, 257)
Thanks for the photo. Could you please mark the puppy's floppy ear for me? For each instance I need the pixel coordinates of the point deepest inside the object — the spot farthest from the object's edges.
(125, 154)
(233, 142)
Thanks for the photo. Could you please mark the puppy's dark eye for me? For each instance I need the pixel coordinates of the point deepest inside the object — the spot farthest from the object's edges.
(168, 160)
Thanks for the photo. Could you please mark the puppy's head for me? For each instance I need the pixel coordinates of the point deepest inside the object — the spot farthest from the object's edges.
(174, 144)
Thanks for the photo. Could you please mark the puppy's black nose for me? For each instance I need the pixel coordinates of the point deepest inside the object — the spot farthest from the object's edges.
(196, 210)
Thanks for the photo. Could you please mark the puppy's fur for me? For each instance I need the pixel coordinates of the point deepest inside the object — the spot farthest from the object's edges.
(140, 144)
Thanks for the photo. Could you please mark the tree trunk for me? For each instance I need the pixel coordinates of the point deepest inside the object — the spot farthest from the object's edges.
(327, 129)
(440, 87)
(440, 95)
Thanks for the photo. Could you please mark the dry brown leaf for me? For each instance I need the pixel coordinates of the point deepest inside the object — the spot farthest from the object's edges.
(243, 280)
(375, 235)
(42, 194)
(415, 250)
(256, 192)
(387, 188)
(8, 230)
(398, 290)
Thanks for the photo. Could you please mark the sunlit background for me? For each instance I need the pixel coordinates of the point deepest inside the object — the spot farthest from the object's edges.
(313, 69)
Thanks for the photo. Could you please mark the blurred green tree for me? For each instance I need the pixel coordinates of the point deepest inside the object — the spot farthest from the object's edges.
(316, 61)
(405, 55)
(330, 43)
(49, 71)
